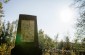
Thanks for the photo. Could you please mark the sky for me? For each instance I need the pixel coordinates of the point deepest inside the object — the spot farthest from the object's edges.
(53, 16)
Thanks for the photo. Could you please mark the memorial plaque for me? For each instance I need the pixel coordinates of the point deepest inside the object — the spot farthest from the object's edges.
(27, 36)
(27, 31)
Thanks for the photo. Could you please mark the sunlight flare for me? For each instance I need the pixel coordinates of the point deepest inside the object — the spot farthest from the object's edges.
(66, 15)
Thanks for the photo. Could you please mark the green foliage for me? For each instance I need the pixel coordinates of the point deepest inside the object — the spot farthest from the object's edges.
(61, 44)
(76, 44)
(45, 42)
(80, 25)
(67, 43)
(0, 5)
(7, 33)
(41, 38)
(48, 42)
(1, 10)
(3, 31)
(83, 43)
(5, 1)
(56, 41)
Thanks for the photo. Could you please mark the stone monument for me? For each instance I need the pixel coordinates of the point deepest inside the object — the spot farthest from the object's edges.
(27, 36)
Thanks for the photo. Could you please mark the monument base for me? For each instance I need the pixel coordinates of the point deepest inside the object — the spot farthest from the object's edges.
(26, 49)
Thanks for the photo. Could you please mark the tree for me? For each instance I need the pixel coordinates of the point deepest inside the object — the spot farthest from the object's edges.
(80, 25)
(76, 44)
(83, 43)
(45, 42)
(56, 40)
(2, 13)
(41, 39)
(49, 43)
(1, 8)
(5, 1)
(67, 43)
(61, 44)
(6, 33)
